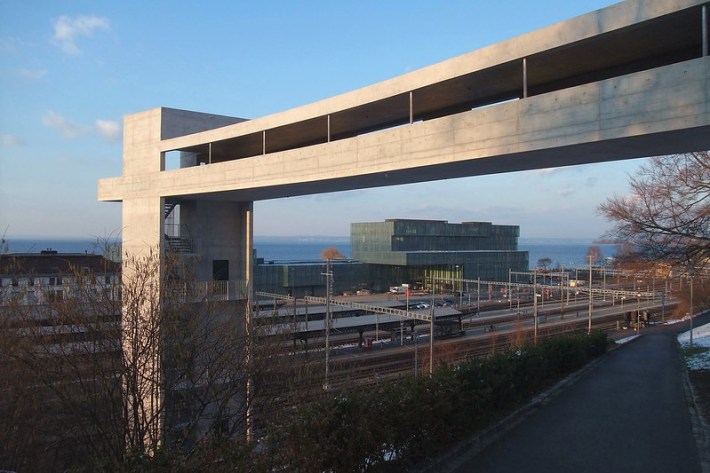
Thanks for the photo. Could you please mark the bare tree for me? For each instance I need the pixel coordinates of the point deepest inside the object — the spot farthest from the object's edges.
(22, 428)
(162, 369)
(667, 215)
(63, 356)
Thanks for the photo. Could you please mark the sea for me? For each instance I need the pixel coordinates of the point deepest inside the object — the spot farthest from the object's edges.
(566, 252)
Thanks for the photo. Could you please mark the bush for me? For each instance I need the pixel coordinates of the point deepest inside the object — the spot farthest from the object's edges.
(400, 422)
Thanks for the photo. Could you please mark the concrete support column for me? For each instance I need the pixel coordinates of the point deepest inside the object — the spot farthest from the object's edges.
(142, 250)
(142, 230)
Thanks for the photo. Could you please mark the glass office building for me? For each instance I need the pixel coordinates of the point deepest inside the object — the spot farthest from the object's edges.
(417, 252)
(307, 278)
(397, 251)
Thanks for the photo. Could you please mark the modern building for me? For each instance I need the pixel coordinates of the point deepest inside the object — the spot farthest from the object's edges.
(417, 252)
(553, 97)
(307, 278)
(550, 98)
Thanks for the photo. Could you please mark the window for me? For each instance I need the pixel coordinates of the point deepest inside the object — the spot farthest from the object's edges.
(55, 281)
(55, 296)
(220, 270)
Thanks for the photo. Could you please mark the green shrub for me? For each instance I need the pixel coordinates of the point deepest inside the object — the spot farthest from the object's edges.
(401, 422)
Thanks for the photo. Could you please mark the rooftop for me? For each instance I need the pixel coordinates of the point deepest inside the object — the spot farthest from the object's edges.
(52, 262)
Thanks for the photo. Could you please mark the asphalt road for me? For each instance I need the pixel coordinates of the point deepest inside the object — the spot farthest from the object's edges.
(628, 413)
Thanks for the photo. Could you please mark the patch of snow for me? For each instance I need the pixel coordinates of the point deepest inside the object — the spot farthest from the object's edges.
(621, 341)
(701, 338)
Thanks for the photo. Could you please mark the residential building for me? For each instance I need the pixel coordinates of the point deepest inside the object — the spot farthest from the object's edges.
(50, 276)
(60, 352)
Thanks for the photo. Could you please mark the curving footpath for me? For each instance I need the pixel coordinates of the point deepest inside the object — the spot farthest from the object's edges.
(631, 411)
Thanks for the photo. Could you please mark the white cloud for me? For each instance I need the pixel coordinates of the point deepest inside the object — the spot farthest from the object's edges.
(67, 30)
(109, 130)
(10, 140)
(57, 122)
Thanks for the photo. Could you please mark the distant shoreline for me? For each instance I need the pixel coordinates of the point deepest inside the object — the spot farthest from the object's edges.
(307, 238)
(567, 252)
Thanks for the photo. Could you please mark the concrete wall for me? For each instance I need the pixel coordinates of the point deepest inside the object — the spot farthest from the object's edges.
(219, 231)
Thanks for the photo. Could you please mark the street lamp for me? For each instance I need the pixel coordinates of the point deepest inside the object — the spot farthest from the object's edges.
(454, 286)
(329, 284)
(416, 355)
(535, 305)
(401, 322)
(517, 297)
(691, 307)
(293, 294)
(510, 299)
(431, 330)
(591, 301)
(478, 295)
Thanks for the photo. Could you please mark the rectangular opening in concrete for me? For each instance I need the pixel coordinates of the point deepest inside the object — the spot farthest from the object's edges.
(220, 270)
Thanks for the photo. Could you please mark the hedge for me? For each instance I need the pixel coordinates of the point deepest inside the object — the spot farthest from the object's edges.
(396, 424)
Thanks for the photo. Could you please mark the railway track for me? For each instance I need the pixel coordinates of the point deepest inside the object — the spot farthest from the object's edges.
(352, 367)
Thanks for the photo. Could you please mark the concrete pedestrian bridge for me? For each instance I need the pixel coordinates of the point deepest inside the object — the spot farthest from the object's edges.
(627, 81)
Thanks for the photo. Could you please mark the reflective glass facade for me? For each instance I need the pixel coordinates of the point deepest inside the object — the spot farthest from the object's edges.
(415, 252)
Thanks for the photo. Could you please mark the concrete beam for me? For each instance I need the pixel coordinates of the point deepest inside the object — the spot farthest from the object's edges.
(659, 111)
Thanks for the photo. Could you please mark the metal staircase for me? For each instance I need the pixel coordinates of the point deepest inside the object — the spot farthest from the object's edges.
(176, 242)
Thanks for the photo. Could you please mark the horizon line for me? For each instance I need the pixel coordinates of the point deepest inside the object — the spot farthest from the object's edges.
(9, 238)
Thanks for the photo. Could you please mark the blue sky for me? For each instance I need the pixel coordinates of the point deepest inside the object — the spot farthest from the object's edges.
(70, 70)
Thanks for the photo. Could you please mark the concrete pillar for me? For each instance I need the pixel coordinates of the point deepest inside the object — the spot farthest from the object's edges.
(142, 229)
(222, 233)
